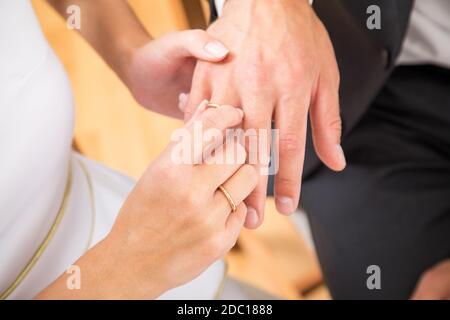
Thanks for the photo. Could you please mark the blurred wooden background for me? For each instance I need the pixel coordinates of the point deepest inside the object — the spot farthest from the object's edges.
(112, 129)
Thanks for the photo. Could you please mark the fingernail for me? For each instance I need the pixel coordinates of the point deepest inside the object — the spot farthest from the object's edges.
(252, 216)
(341, 157)
(182, 100)
(216, 49)
(241, 113)
(285, 205)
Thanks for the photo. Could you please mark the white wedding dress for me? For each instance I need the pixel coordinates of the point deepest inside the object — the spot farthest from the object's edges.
(37, 164)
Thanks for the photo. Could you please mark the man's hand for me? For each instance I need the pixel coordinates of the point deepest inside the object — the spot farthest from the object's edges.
(281, 65)
(435, 283)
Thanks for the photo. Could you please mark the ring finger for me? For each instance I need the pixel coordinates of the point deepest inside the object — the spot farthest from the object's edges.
(238, 187)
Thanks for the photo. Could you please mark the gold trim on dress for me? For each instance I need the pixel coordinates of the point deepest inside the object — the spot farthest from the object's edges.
(36, 256)
(40, 250)
(221, 286)
(91, 203)
(34, 259)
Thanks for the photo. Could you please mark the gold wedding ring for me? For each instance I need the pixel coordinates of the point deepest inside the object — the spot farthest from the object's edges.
(212, 105)
(229, 198)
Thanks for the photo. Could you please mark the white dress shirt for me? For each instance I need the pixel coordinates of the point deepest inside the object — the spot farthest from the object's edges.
(428, 37)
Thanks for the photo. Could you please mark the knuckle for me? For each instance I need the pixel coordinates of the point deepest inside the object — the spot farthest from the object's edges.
(336, 124)
(227, 109)
(298, 70)
(257, 75)
(286, 183)
(301, 69)
(256, 61)
(295, 105)
(229, 112)
(203, 190)
(195, 34)
(290, 144)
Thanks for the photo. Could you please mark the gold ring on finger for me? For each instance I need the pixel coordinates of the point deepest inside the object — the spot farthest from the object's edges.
(229, 198)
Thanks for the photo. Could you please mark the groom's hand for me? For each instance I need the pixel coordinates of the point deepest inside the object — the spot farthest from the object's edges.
(281, 65)
(434, 284)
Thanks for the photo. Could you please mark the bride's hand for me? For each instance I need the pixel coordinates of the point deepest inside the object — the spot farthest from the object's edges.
(167, 65)
(174, 224)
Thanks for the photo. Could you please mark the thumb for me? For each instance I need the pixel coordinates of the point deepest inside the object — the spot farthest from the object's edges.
(195, 43)
(326, 128)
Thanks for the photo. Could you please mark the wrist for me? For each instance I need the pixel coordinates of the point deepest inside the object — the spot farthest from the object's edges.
(250, 10)
(129, 275)
(125, 54)
(250, 3)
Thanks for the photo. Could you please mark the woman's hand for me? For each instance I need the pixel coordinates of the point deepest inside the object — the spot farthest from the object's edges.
(155, 71)
(158, 72)
(175, 222)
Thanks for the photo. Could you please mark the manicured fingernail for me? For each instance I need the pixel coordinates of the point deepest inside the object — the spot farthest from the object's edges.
(252, 216)
(285, 205)
(341, 157)
(182, 101)
(241, 113)
(216, 49)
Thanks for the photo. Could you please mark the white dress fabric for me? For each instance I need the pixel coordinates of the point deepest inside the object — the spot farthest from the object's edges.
(36, 128)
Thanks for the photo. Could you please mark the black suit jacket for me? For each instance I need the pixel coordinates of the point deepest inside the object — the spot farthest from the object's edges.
(365, 57)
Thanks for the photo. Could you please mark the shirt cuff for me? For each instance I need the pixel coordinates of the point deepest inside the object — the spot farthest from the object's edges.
(220, 3)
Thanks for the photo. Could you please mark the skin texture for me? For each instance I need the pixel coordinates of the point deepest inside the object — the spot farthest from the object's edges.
(168, 230)
(281, 67)
(434, 283)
